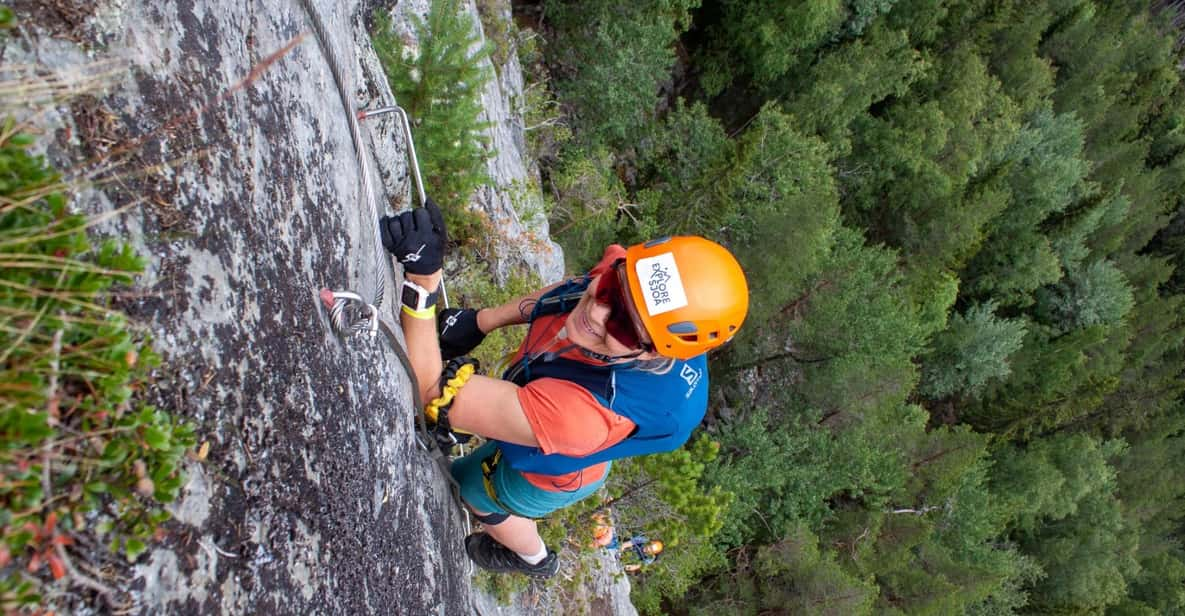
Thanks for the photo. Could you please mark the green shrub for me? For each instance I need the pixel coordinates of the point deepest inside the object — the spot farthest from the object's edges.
(677, 571)
(764, 40)
(590, 208)
(545, 126)
(498, 29)
(685, 160)
(666, 497)
(74, 442)
(439, 85)
(502, 586)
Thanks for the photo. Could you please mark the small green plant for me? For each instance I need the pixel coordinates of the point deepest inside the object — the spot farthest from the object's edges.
(439, 85)
(527, 200)
(75, 448)
(502, 586)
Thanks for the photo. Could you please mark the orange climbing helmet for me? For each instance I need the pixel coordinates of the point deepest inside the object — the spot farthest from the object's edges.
(689, 294)
(654, 547)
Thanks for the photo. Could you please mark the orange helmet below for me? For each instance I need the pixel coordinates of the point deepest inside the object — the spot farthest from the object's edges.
(689, 294)
(654, 547)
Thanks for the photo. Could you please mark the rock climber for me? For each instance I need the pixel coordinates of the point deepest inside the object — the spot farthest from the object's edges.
(641, 549)
(613, 364)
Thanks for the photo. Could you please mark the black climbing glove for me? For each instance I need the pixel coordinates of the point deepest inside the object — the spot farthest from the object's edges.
(459, 333)
(416, 238)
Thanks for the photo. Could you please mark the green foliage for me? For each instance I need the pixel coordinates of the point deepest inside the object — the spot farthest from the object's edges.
(439, 85)
(1060, 493)
(781, 189)
(1046, 173)
(667, 497)
(545, 126)
(971, 351)
(929, 179)
(937, 552)
(1055, 381)
(683, 162)
(791, 576)
(675, 574)
(779, 474)
(862, 13)
(609, 59)
(763, 41)
(590, 210)
(502, 586)
(1088, 558)
(818, 584)
(1017, 160)
(849, 78)
(1160, 585)
(499, 30)
(1048, 479)
(76, 449)
(1012, 595)
(1095, 294)
(1156, 452)
(858, 331)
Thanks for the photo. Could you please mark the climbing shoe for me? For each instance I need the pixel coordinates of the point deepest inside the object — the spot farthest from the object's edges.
(493, 556)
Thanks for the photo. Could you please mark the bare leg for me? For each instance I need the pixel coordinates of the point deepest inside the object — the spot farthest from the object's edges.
(519, 534)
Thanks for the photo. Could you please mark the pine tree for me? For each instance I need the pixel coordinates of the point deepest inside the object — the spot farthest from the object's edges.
(439, 85)
(761, 42)
(1093, 294)
(609, 59)
(973, 350)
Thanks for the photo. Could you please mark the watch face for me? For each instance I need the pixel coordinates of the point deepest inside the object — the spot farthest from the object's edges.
(411, 297)
(417, 297)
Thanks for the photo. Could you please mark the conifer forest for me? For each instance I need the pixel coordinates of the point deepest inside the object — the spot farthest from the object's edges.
(959, 389)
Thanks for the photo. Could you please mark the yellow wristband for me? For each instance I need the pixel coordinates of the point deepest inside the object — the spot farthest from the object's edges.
(427, 313)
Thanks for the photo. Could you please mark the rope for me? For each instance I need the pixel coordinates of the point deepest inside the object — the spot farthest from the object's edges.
(342, 299)
(356, 135)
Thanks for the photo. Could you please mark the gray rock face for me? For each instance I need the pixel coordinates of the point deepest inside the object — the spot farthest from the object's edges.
(246, 196)
(315, 497)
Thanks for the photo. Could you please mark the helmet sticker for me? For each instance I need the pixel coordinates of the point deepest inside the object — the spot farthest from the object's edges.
(662, 286)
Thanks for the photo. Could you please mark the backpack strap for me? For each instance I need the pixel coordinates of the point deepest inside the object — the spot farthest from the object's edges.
(561, 299)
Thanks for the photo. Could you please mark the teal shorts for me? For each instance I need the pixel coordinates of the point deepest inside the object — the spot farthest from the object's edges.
(519, 495)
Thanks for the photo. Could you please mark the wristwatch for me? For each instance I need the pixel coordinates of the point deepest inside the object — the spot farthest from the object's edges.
(417, 298)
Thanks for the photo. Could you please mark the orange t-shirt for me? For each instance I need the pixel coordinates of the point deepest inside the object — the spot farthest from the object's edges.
(564, 416)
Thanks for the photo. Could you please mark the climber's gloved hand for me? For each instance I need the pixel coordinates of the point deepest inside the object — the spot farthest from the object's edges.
(459, 333)
(416, 238)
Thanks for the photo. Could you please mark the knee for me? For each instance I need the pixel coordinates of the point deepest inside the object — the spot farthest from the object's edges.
(491, 519)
